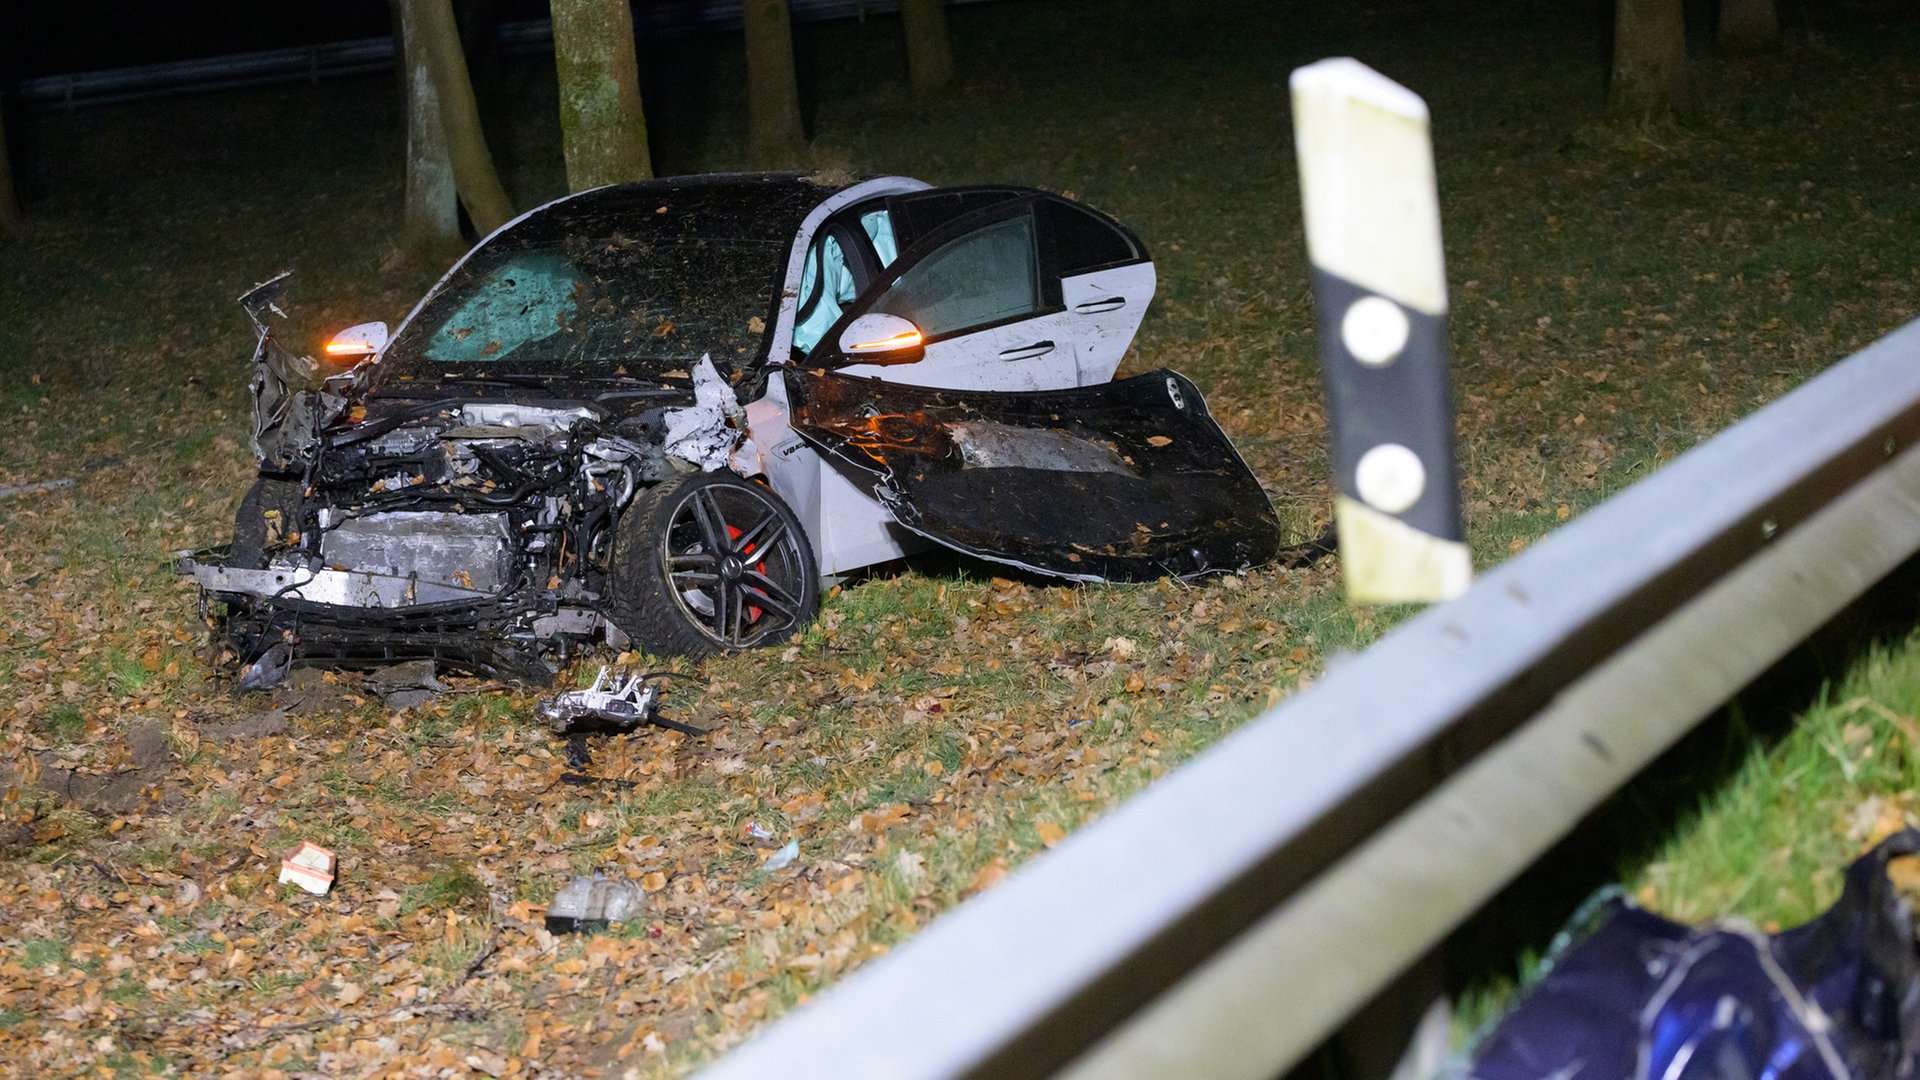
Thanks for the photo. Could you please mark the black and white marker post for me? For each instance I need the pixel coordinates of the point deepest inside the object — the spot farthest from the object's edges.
(1373, 233)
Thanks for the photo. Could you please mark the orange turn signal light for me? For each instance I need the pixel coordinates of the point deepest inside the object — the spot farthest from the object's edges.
(905, 340)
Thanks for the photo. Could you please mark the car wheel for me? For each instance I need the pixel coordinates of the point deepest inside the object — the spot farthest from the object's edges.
(708, 562)
(252, 529)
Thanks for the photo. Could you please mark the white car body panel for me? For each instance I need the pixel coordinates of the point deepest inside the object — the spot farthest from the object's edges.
(1102, 330)
(848, 527)
(1030, 354)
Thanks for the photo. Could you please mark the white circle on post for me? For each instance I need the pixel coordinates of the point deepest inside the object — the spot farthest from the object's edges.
(1375, 330)
(1390, 478)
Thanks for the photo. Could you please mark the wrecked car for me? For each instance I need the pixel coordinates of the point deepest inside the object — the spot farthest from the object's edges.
(667, 412)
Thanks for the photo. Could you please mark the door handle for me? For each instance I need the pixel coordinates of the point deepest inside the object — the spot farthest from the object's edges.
(1028, 352)
(1095, 307)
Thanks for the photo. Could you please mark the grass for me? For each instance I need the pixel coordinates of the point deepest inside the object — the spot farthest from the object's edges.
(1770, 844)
(39, 952)
(1618, 294)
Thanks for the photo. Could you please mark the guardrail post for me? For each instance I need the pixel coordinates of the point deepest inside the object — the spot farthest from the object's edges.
(1379, 282)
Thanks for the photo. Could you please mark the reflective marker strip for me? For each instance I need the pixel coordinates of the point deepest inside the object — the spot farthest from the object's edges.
(1373, 234)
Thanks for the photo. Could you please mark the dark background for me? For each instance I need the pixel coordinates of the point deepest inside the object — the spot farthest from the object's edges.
(55, 37)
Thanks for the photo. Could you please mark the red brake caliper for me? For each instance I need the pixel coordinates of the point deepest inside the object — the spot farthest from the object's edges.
(753, 613)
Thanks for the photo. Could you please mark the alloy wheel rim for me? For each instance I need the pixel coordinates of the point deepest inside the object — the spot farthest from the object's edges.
(733, 565)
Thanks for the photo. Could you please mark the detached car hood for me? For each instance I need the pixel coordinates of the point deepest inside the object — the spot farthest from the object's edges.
(1123, 481)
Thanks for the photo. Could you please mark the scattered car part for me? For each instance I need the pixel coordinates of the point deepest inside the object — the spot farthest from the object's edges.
(584, 431)
(267, 670)
(611, 705)
(592, 903)
(309, 866)
(1837, 998)
(35, 488)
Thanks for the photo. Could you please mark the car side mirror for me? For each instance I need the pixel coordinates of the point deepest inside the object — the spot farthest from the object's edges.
(357, 343)
(880, 338)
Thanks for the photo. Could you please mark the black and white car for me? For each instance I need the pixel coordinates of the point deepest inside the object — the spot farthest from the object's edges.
(666, 412)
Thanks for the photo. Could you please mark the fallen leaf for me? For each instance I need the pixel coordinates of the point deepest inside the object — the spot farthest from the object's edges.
(990, 875)
(880, 820)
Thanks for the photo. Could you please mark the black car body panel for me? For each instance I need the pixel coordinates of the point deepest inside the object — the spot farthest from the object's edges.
(1122, 481)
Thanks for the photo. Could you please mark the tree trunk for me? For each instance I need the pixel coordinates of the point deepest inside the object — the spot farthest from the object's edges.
(431, 226)
(602, 126)
(773, 91)
(9, 206)
(479, 23)
(479, 185)
(929, 56)
(1649, 58)
(1748, 25)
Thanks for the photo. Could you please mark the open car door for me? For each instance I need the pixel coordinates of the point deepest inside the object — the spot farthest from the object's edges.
(1120, 481)
(1007, 288)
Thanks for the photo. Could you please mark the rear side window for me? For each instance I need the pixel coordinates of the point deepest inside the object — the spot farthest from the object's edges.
(1084, 241)
(985, 277)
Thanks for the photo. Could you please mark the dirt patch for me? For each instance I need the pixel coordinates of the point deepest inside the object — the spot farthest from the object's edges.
(311, 690)
(117, 791)
(258, 726)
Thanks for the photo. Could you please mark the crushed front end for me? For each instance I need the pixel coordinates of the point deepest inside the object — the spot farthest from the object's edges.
(469, 523)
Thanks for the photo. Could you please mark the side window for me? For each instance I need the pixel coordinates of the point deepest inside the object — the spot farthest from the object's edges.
(1085, 241)
(878, 225)
(826, 288)
(987, 276)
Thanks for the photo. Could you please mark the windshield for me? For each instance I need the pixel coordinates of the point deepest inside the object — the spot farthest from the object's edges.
(640, 280)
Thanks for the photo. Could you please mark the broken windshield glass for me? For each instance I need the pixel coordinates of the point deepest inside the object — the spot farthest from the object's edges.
(622, 280)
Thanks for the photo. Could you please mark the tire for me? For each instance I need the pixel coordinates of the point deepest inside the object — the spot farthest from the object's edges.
(671, 593)
(250, 529)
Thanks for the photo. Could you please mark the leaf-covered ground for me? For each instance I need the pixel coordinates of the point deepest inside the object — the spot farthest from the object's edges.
(1619, 293)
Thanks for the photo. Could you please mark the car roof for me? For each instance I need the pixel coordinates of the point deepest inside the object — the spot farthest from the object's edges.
(739, 206)
(728, 235)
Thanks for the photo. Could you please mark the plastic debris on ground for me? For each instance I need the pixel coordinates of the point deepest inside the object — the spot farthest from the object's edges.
(591, 903)
(783, 858)
(1640, 996)
(309, 866)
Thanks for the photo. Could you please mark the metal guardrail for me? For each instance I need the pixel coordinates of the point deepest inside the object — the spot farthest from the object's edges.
(312, 63)
(1226, 920)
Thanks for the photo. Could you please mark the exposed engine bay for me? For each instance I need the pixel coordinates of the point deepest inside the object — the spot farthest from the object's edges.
(472, 531)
